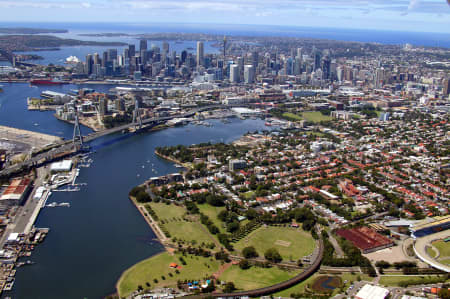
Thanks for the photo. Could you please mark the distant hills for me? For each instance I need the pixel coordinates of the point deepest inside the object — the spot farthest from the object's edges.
(24, 30)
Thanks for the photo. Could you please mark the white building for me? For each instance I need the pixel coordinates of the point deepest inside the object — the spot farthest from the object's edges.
(372, 292)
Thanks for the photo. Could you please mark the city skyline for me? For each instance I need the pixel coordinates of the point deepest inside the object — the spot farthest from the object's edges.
(403, 15)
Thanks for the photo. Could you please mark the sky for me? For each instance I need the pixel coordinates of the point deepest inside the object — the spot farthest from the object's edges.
(396, 15)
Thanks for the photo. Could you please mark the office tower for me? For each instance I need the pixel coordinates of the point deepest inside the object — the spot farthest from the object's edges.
(183, 56)
(218, 74)
(326, 67)
(224, 47)
(156, 49)
(174, 57)
(126, 53)
(255, 59)
(96, 58)
(379, 77)
(249, 74)
(142, 45)
(89, 64)
(165, 46)
(317, 58)
(446, 89)
(112, 54)
(340, 73)
(131, 51)
(289, 66)
(144, 56)
(120, 60)
(200, 54)
(299, 53)
(220, 63)
(104, 59)
(234, 73)
(297, 66)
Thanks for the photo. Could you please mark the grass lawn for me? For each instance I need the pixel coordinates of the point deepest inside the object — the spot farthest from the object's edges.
(290, 242)
(157, 266)
(315, 116)
(212, 213)
(188, 231)
(167, 212)
(443, 247)
(395, 280)
(431, 252)
(300, 288)
(248, 195)
(292, 116)
(255, 277)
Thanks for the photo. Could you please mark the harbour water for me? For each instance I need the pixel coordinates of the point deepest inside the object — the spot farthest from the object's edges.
(102, 234)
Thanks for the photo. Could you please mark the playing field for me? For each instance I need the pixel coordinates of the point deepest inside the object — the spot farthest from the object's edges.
(443, 247)
(315, 116)
(291, 243)
(255, 277)
(155, 267)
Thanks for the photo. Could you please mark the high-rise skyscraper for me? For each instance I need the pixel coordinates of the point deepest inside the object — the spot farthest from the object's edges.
(317, 58)
(183, 56)
(142, 45)
(96, 58)
(255, 59)
(131, 50)
(89, 64)
(249, 74)
(299, 53)
(165, 47)
(326, 67)
(112, 54)
(200, 54)
(446, 87)
(234, 73)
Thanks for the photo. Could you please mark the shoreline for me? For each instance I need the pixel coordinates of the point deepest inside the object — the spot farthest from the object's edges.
(171, 159)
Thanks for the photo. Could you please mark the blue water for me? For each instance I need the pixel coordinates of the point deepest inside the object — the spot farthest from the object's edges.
(102, 234)
(325, 284)
(361, 35)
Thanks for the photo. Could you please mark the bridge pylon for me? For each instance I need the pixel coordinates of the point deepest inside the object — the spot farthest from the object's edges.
(136, 115)
(77, 137)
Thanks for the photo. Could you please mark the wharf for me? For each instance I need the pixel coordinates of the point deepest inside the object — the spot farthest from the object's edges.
(28, 137)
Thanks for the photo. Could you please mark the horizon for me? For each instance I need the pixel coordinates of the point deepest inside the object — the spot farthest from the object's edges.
(429, 16)
(34, 24)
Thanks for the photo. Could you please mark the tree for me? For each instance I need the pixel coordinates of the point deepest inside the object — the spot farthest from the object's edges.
(229, 287)
(444, 293)
(143, 196)
(244, 264)
(273, 255)
(249, 252)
